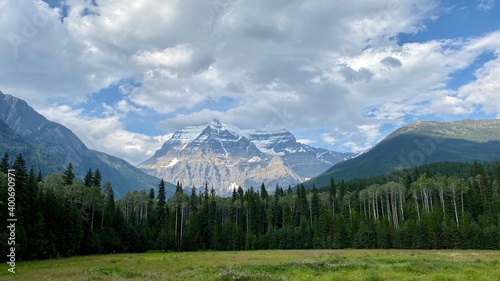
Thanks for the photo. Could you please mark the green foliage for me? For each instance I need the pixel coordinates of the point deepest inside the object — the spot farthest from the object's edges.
(68, 175)
(422, 209)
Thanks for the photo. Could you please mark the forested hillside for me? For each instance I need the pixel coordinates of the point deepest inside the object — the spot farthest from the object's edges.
(443, 205)
(421, 143)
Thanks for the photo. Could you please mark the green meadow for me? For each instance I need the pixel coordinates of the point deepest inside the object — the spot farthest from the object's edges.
(268, 265)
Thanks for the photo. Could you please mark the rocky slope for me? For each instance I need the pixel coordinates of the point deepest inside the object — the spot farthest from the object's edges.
(49, 147)
(224, 156)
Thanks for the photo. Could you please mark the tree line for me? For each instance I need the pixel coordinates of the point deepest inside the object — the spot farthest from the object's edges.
(420, 208)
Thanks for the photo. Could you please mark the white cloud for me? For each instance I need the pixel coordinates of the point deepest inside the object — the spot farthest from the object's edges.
(170, 57)
(106, 134)
(484, 91)
(125, 107)
(263, 64)
(306, 141)
(328, 138)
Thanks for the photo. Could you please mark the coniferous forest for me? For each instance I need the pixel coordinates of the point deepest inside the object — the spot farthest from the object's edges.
(437, 206)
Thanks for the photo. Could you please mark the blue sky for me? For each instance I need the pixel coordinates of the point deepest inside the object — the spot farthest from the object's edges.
(338, 74)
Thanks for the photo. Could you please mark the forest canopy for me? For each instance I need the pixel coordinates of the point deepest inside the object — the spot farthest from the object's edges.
(437, 206)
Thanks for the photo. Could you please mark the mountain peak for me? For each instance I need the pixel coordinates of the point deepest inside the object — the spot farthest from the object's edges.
(224, 155)
(215, 124)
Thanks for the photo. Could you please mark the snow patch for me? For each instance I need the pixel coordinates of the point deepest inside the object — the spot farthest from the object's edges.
(263, 145)
(172, 163)
(255, 159)
(233, 186)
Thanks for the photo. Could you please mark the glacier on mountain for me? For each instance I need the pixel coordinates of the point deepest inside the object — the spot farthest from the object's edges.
(225, 156)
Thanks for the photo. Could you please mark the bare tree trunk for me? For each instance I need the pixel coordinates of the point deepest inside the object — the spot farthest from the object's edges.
(416, 205)
(369, 209)
(441, 197)
(388, 206)
(455, 206)
(401, 205)
(462, 197)
(430, 199)
(394, 210)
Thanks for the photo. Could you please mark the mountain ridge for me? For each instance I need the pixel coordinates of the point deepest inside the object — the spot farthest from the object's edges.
(422, 142)
(50, 146)
(224, 156)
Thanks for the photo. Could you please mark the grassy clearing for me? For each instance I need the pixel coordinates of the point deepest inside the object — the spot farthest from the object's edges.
(268, 265)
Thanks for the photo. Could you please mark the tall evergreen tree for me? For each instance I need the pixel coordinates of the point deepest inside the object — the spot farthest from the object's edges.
(161, 203)
(97, 178)
(68, 175)
(178, 187)
(22, 192)
(39, 177)
(4, 163)
(89, 178)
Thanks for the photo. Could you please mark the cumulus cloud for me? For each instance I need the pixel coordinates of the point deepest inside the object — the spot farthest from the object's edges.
(332, 64)
(106, 133)
(484, 91)
(391, 62)
(306, 141)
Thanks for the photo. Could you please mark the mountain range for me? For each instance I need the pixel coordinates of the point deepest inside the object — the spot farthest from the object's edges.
(420, 143)
(225, 157)
(49, 147)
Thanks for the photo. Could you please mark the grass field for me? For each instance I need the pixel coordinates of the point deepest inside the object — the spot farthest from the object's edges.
(268, 265)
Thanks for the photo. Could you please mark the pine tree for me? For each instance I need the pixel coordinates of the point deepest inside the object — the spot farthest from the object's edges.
(178, 187)
(314, 207)
(263, 192)
(22, 192)
(97, 178)
(69, 175)
(161, 204)
(302, 206)
(151, 216)
(4, 163)
(89, 178)
(39, 177)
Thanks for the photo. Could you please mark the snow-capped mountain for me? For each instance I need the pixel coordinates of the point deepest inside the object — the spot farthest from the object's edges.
(225, 157)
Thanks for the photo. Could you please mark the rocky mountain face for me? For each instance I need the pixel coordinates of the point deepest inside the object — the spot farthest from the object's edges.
(49, 147)
(224, 157)
(421, 143)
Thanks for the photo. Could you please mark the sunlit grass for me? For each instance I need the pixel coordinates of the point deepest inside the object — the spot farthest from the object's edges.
(268, 265)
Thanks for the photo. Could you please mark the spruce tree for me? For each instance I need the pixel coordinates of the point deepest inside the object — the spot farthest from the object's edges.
(22, 192)
(178, 187)
(151, 208)
(68, 175)
(89, 178)
(161, 204)
(39, 177)
(4, 163)
(97, 178)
